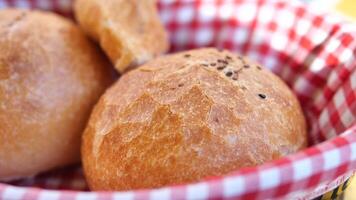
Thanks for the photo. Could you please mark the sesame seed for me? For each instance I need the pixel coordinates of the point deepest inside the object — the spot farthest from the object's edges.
(228, 74)
(221, 67)
(262, 96)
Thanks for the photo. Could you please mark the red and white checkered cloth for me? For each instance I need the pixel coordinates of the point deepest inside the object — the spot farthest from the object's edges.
(313, 52)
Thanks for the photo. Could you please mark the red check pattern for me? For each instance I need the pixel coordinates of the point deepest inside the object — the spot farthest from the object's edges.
(313, 52)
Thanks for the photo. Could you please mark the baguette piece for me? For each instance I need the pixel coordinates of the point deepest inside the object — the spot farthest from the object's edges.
(129, 31)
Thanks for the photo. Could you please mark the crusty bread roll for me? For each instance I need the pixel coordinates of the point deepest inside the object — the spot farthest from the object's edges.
(188, 116)
(129, 31)
(50, 77)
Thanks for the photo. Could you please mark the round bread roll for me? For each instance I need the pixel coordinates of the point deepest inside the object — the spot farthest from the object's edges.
(51, 75)
(129, 31)
(184, 117)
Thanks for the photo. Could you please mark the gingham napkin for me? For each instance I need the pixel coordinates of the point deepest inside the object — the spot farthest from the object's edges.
(313, 52)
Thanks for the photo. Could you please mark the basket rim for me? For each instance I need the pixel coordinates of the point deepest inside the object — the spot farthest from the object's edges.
(350, 133)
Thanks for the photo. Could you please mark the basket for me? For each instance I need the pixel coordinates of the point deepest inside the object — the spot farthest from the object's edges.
(314, 52)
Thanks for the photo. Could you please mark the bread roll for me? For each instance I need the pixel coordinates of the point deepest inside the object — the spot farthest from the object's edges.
(184, 117)
(129, 31)
(50, 77)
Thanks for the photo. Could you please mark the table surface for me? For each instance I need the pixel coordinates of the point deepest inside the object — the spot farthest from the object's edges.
(347, 7)
(350, 193)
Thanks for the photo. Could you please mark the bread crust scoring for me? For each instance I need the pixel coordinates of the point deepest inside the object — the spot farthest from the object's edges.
(187, 116)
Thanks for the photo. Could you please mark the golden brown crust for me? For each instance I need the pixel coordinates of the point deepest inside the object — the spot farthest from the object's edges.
(50, 77)
(184, 117)
(129, 31)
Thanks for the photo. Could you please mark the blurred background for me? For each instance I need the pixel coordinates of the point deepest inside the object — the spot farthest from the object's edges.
(347, 7)
(343, 7)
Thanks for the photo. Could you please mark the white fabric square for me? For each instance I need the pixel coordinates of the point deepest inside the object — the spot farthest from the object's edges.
(265, 14)
(162, 194)
(353, 150)
(123, 196)
(317, 65)
(226, 11)
(181, 36)
(346, 55)
(302, 86)
(198, 191)
(333, 45)
(324, 118)
(339, 98)
(271, 63)
(207, 12)
(303, 26)
(240, 35)
(331, 159)
(347, 118)
(269, 179)
(233, 186)
(185, 14)
(285, 18)
(13, 193)
(166, 16)
(259, 37)
(46, 195)
(279, 41)
(246, 12)
(318, 36)
(330, 133)
(254, 55)
(204, 36)
(302, 169)
(86, 196)
(353, 80)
